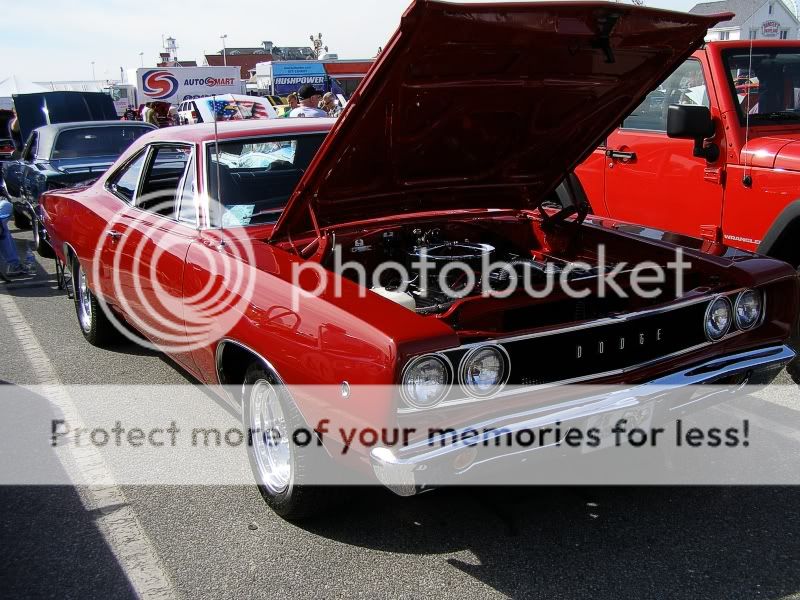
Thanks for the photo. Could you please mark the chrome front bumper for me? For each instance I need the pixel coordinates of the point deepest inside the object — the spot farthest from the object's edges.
(426, 463)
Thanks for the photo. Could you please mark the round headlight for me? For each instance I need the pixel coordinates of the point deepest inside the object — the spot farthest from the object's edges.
(425, 381)
(718, 318)
(749, 307)
(484, 371)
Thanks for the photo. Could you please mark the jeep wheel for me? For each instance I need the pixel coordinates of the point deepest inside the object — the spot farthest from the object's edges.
(281, 468)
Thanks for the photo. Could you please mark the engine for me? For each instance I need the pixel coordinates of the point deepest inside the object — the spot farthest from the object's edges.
(429, 269)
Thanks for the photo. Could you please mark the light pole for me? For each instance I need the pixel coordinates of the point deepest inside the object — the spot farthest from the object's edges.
(223, 37)
(141, 58)
(93, 77)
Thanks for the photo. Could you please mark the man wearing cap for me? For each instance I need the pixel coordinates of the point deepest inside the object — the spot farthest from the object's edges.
(309, 101)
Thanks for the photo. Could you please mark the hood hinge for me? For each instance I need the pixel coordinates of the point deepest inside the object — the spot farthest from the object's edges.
(714, 175)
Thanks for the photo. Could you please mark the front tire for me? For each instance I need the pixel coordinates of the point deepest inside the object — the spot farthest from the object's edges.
(94, 323)
(282, 468)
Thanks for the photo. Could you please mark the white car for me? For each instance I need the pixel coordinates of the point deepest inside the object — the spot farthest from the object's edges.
(226, 107)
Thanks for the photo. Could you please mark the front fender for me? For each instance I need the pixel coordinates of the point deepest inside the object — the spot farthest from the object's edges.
(785, 219)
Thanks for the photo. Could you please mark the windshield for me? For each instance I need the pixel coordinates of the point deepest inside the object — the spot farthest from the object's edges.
(96, 141)
(766, 86)
(258, 177)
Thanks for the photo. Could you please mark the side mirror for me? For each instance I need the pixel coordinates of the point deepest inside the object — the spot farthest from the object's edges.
(689, 122)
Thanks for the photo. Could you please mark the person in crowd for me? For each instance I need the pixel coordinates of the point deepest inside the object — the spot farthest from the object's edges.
(130, 114)
(173, 115)
(309, 98)
(330, 105)
(150, 114)
(14, 132)
(8, 249)
(293, 103)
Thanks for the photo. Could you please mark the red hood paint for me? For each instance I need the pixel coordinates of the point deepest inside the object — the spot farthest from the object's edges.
(419, 134)
(778, 151)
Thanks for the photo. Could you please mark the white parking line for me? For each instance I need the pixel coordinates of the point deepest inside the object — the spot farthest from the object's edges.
(117, 522)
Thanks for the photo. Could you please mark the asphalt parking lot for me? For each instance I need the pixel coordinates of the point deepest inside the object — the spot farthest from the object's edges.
(222, 542)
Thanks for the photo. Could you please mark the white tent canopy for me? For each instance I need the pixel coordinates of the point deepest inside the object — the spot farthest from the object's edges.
(16, 85)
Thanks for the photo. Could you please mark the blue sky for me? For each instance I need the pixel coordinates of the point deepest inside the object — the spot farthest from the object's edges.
(57, 40)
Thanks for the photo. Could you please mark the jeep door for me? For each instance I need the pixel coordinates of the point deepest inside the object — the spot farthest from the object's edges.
(654, 180)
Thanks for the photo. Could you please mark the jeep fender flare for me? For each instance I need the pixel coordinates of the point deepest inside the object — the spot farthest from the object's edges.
(789, 216)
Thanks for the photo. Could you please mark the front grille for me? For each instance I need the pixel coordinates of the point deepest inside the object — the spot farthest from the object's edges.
(595, 350)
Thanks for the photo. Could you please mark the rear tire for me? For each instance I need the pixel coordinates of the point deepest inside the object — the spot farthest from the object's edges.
(95, 325)
(21, 218)
(43, 247)
(281, 468)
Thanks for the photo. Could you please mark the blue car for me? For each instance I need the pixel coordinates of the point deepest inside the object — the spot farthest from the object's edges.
(59, 156)
(70, 138)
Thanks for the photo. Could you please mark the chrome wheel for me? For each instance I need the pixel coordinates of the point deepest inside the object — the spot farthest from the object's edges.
(271, 443)
(84, 302)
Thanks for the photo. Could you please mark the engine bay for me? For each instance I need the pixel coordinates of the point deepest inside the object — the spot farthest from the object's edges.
(482, 273)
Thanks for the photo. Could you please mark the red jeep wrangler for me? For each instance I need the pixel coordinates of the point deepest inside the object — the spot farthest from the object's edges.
(713, 152)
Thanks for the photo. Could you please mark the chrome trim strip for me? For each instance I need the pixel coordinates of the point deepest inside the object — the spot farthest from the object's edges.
(218, 356)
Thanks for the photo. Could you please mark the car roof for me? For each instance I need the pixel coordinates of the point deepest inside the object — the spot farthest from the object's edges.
(231, 130)
(58, 127)
(49, 133)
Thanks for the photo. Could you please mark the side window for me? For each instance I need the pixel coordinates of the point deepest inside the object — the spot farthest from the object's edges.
(162, 178)
(687, 85)
(124, 182)
(187, 202)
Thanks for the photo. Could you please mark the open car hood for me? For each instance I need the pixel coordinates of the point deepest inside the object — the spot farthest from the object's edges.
(49, 108)
(486, 106)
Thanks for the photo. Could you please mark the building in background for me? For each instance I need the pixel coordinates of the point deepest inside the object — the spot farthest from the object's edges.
(247, 58)
(755, 19)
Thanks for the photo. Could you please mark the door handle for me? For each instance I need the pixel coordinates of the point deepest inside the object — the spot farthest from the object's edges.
(619, 155)
(113, 234)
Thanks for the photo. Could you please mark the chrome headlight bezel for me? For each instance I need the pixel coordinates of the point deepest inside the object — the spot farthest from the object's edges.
(759, 318)
(709, 309)
(505, 360)
(414, 362)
